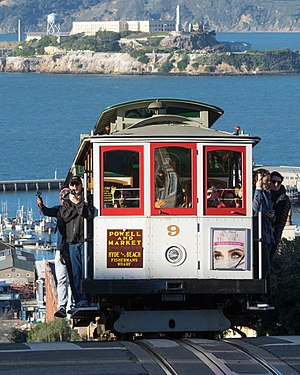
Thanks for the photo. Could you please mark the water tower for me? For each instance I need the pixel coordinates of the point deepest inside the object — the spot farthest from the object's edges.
(53, 24)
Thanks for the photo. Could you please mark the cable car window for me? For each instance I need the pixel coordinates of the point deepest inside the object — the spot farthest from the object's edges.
(121, 179)
(173, 179)
(225, 181)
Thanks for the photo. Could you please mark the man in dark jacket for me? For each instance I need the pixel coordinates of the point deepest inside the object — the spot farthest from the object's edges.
(262, 203)
(62, 263)
(73, 213)
(281, 205)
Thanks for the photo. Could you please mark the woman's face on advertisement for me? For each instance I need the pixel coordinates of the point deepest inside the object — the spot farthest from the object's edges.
(229, 257)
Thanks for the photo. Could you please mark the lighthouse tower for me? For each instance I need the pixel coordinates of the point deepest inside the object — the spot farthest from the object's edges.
(178, 26)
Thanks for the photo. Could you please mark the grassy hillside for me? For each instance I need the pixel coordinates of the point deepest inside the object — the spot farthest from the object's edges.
(223, 15)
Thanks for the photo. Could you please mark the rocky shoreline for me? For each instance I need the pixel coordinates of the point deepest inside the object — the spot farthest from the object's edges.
(88, 62)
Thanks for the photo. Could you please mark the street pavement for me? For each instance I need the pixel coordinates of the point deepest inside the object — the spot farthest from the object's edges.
(126, 358)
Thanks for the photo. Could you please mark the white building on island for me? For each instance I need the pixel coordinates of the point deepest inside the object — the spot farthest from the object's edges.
(148, 26)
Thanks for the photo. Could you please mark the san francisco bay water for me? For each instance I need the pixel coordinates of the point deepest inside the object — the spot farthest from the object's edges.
(42, 116)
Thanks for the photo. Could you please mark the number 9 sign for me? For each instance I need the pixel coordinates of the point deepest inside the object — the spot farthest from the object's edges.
(173, 230)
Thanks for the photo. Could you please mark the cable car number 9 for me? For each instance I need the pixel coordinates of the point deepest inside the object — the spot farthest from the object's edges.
(173, 230)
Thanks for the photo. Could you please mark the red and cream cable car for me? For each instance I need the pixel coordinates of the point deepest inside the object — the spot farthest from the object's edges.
(172, 242)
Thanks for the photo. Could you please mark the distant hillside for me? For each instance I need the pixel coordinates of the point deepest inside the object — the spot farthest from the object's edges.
(222, 15)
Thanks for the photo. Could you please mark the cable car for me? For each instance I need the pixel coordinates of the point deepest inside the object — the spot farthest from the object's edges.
(171, 246)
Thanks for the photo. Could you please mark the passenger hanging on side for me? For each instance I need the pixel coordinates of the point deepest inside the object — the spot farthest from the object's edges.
(66, 293)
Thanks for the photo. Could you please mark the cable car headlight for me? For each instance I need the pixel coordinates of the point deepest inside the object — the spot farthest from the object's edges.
(176, 255)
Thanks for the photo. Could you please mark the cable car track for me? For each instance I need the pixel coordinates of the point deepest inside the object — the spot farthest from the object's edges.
(223, 366)
(272, 370)
(213, 357)
(158, 358)
(218, 367)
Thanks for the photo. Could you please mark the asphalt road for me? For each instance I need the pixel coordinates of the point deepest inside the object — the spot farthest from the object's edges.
(127, 358)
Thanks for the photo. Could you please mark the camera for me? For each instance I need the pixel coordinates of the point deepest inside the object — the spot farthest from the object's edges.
(65, 195)
(259, 174)
(73, 192)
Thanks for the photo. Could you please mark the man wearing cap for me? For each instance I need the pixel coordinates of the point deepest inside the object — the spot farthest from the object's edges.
(73, 213)
(63, 270)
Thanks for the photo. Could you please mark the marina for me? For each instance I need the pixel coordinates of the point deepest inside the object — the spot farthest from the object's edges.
(28, 233)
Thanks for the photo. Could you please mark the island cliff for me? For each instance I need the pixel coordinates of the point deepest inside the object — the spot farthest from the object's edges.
(88, 62)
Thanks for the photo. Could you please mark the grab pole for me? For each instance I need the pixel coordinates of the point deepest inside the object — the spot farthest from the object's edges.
(85, 243)
(259, 245)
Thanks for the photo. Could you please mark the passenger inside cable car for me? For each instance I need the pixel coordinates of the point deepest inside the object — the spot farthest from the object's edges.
(225, 178)
(213, 199)
(123, 198)
(228, 198)
(121, 178)
(172, 177)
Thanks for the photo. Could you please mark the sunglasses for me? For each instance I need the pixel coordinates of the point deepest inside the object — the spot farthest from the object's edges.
(74, 184)
(276, 182)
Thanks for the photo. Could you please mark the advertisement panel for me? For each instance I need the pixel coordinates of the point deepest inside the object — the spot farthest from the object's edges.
(229, 248)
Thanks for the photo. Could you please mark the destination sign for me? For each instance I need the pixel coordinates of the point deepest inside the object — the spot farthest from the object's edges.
(124, 248)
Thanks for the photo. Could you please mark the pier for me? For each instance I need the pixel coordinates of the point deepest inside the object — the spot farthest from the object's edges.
(27, 185)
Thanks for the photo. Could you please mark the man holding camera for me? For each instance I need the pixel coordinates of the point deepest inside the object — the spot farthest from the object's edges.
(73, 213)
(62, 264)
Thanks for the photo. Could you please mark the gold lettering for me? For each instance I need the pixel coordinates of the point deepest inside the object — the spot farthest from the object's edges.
(113, 254)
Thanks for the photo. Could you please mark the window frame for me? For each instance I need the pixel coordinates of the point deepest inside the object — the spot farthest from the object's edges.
(118, 211)
(175, 211)
(224, 211)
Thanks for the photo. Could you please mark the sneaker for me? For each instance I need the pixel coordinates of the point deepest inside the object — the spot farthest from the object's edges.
(60, 313)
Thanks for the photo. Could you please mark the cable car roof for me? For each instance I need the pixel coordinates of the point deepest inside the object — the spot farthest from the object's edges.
(141, 113)
(157, 119)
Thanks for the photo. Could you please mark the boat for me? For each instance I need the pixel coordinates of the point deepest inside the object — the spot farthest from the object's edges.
(19, 227)
(29, 238)
(44, 225)
(8, 224)
(47, 247)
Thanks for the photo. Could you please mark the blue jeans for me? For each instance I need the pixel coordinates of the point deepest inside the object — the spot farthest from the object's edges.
(62, 278)
(76, 251)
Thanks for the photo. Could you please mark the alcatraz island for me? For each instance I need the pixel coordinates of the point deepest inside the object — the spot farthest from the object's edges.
(140, 47)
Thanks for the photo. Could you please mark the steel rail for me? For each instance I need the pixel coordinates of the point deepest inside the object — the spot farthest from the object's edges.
(270, 368)
(215, 365)
(158, 358)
